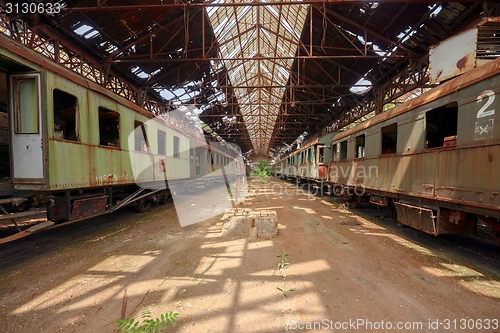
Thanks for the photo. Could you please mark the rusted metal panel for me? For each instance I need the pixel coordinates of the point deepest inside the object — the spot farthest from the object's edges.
(323, 172)
(452, 57)
(456, 222)
(418, 217)
(469, 175)
(380, 200)
(89, 207)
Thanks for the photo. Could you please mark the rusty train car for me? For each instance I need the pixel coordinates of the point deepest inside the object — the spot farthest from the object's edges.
(433, 159)
(65, 143)
(308, 163)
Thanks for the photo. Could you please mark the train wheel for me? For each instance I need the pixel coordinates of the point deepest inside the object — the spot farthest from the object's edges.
(142, 206)
(23, 207)
(356, 200)
(166, 199)
(338, 190)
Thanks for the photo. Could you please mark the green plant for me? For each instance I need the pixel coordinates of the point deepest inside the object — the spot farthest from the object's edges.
(148, 324)
(282, 288)
(262, 170)
(282, 264)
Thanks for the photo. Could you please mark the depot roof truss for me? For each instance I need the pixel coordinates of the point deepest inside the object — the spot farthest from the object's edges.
(260, 72)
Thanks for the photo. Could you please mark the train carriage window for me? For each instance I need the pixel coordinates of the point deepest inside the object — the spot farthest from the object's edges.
(441, 126)
(65, 115)
(109, 127)
(343, 150)
(389, 138)
(360, 146)
(335, 152)
(140, 136)
(162, 138)
(177, 147)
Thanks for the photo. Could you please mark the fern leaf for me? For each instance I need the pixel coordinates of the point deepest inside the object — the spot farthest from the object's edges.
(146, 313)
(157, 326)
(171, 316)
(126, 325)
(148, 324)
(163, 321)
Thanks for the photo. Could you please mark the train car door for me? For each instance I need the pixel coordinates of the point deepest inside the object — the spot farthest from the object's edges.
(26, 128)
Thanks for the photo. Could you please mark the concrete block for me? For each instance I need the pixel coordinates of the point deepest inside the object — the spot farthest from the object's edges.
(254, 224)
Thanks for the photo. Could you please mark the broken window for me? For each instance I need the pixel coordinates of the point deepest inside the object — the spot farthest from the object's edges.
(360, 146)
(389, 138)
(343, 150)
(162, 138)
(335, 153)
(140, 136)
(65, 115)
(109, 127)
(177, 148)
(441, 126)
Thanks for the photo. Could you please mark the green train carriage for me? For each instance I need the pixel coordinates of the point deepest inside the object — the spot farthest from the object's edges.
(69, 144)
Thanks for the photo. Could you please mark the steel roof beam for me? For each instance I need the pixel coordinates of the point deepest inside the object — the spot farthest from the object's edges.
(238, 4)
(135, 59)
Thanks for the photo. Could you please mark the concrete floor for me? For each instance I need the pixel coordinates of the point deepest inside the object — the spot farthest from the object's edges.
(348, 272)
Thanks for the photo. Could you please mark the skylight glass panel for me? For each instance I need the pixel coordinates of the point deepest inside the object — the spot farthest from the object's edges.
(82, 30)
(257, 33)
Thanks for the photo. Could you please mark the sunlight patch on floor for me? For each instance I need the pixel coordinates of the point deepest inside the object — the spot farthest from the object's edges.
(85, 284)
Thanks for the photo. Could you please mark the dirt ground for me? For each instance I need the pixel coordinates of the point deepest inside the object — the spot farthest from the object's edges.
(348, 273)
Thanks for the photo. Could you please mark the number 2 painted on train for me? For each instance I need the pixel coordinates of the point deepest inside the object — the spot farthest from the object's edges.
(482, 111)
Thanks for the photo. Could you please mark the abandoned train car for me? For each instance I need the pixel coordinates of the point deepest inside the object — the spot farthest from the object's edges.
(434, 158)
(73, 145)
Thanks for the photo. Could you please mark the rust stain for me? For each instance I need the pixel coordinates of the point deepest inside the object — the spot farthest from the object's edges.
(439, 74)
(462, 62)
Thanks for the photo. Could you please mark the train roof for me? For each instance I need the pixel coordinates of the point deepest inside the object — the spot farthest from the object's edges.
(38, 62)
(476, 75)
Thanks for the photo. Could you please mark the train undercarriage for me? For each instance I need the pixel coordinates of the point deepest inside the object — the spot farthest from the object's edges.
(435, 217)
